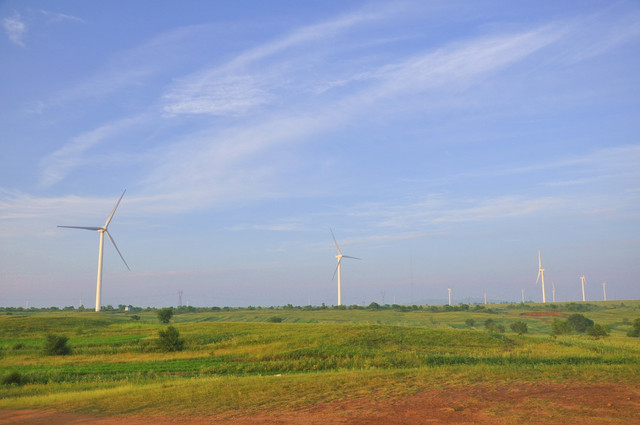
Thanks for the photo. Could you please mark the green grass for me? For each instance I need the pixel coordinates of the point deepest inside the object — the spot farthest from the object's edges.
(238, 360)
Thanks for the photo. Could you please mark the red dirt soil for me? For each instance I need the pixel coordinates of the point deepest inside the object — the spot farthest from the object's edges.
(545, 403)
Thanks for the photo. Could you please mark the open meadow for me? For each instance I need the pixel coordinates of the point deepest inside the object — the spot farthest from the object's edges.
(462, 364)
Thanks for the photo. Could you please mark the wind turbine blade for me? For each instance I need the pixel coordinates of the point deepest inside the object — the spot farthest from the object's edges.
(114, 210)
(336, 242)
(538, 278)
(355, 258)
(116, 247)
(336, 269)
(539, 260)
(82, 227)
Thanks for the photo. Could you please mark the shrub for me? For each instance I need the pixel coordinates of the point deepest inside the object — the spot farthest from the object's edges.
(470, 322)
(635, 330)
(560, 327)
(169, 339)
(13, 378)
(165, 314)
(489, 324)
(274, 319)
(579, 323)
(492, 326)
(597, 331)
(56, 345)
(519, 327)
(135, 317)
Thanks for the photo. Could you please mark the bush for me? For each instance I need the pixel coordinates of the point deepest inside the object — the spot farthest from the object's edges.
(165, 314)
(169, 339)
(597, 331)
(56, 345)
(470, 322)
(635, 330)
(491, 326)
(519, 327)
(274, 319)
(135, 317)
(579, 323)
(13, 378)
(560, 327)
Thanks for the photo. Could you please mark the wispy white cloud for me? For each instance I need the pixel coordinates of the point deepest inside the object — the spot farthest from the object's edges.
(230, 96)
(15, 28)
(57, 165)
(58, 17)
(211, 162)
(228, 89)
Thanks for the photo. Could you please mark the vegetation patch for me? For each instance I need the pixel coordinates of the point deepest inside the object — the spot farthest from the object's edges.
(220, 360)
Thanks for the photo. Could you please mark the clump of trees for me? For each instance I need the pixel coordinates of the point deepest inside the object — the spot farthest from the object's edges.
(580, 324)
(169, 340)
(56, 345)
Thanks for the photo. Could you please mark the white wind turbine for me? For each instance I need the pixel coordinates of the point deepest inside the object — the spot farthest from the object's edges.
(541, 275)
(553, 290)
(102, 230)
(338, 269)
(582, 279)
(604, 289)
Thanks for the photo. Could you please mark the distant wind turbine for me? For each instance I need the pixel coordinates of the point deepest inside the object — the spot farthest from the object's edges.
(102, 230)
(338, 268)
(449, 295)
(541, 275)
(582, 278)
(604, 289)
(553, 290)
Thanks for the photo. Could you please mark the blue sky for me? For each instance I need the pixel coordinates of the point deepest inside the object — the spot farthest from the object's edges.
(444, 142)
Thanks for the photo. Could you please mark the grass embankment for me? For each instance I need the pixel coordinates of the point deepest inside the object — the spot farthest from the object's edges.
(252, 365)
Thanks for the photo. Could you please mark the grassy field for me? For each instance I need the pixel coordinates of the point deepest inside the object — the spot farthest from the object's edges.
(241, 360)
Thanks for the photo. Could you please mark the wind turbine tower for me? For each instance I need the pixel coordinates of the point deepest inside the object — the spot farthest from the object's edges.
(604, 290)
(102, 230)
(582, 280)
(338, 268)
(541, 275)
(522, 295)
(553, 291)
(449, 296)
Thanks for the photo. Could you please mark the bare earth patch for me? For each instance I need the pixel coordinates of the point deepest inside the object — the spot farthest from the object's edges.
(520, 403)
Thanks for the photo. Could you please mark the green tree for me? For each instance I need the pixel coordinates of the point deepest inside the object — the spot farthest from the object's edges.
(519, 327)
(579, 323)
(635, 330)
(169, 339)
(489, 324)
(56, 345)
(597, 331)
(470, 322)
(165, 314)
(560, 327)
